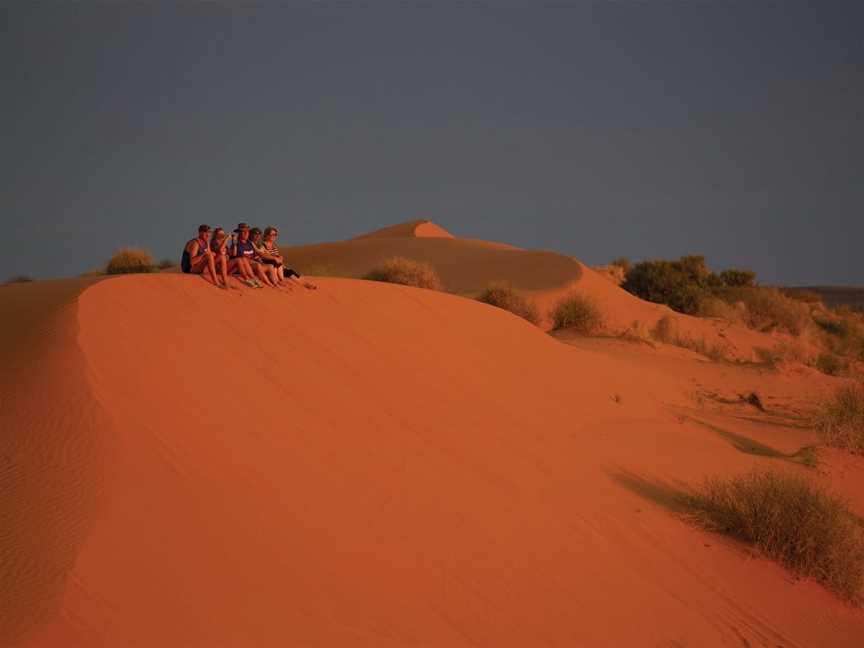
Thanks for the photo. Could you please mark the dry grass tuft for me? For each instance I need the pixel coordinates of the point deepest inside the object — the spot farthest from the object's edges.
(504, 296)
(792, 520)
(407, 272)
(666, 332)
(783, 351)
(840, 419)
(768, 309)
(164, 264)
(830, 364)
(577, 312)
(130, 260)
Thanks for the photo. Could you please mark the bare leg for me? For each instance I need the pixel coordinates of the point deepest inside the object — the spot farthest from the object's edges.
(209, 273)
(298, 281)
(223, 266)
(236, 266)
(204, 269)
(247, 268)
(211, 265)
(262, 275)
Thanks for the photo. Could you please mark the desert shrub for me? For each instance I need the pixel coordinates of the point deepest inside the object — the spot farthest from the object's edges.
(504, 296)
(623, 263)
(830, 364)
(695, 269)
(130, 260)
(577, 312)
(768, 309)
(844, 335)
(164, 264)
(407, 272)
(792, 520)
(665, 282)
(19, 279)
(736, 277)
(840, 418)
(665, 331)
(711, 306)
(782, 351)
(806, 296)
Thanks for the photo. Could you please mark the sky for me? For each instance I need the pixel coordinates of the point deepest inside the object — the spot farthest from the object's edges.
(646, 129)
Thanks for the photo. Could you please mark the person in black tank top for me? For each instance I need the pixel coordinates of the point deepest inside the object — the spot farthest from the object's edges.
(198, 259)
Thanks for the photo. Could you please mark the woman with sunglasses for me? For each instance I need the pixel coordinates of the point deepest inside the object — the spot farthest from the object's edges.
(270, 254)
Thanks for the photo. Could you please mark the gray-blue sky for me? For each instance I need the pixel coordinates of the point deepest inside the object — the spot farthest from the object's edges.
(599, 129)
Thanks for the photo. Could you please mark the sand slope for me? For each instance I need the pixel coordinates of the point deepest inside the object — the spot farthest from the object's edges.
(468, 266)
(54, 452)
(465, 266)
(376, 465)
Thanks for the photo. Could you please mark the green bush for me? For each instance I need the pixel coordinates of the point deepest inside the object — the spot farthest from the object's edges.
(130, 260)
(577, 312)
(736, 278)
(840, 418)
(792, 520)
(623, 263)
(407, 272)
(504, 296)
(665, 282)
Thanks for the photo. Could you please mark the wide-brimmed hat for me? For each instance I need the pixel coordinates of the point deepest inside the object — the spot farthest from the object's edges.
(241, 227)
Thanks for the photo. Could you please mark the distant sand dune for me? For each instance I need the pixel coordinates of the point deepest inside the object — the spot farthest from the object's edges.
(465, 266)
(378, 465)
(468, 266)
(415, 229)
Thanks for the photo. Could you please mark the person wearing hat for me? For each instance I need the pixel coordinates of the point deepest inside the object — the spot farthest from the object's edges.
(244, 249)
(198, 259)
(219, 244)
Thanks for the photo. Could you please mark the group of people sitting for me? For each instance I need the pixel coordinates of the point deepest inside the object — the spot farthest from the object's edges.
(248, 254)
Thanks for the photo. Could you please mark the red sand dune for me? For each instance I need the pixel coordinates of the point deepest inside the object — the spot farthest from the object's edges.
(375, 465)
(467, 266)
(415, 228)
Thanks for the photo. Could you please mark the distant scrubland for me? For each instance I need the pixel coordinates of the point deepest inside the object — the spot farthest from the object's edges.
(689, 286)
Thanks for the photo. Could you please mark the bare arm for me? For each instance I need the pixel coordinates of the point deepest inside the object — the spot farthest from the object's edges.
(194, 250)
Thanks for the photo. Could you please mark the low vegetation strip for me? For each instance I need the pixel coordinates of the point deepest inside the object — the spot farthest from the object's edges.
(792, 520)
